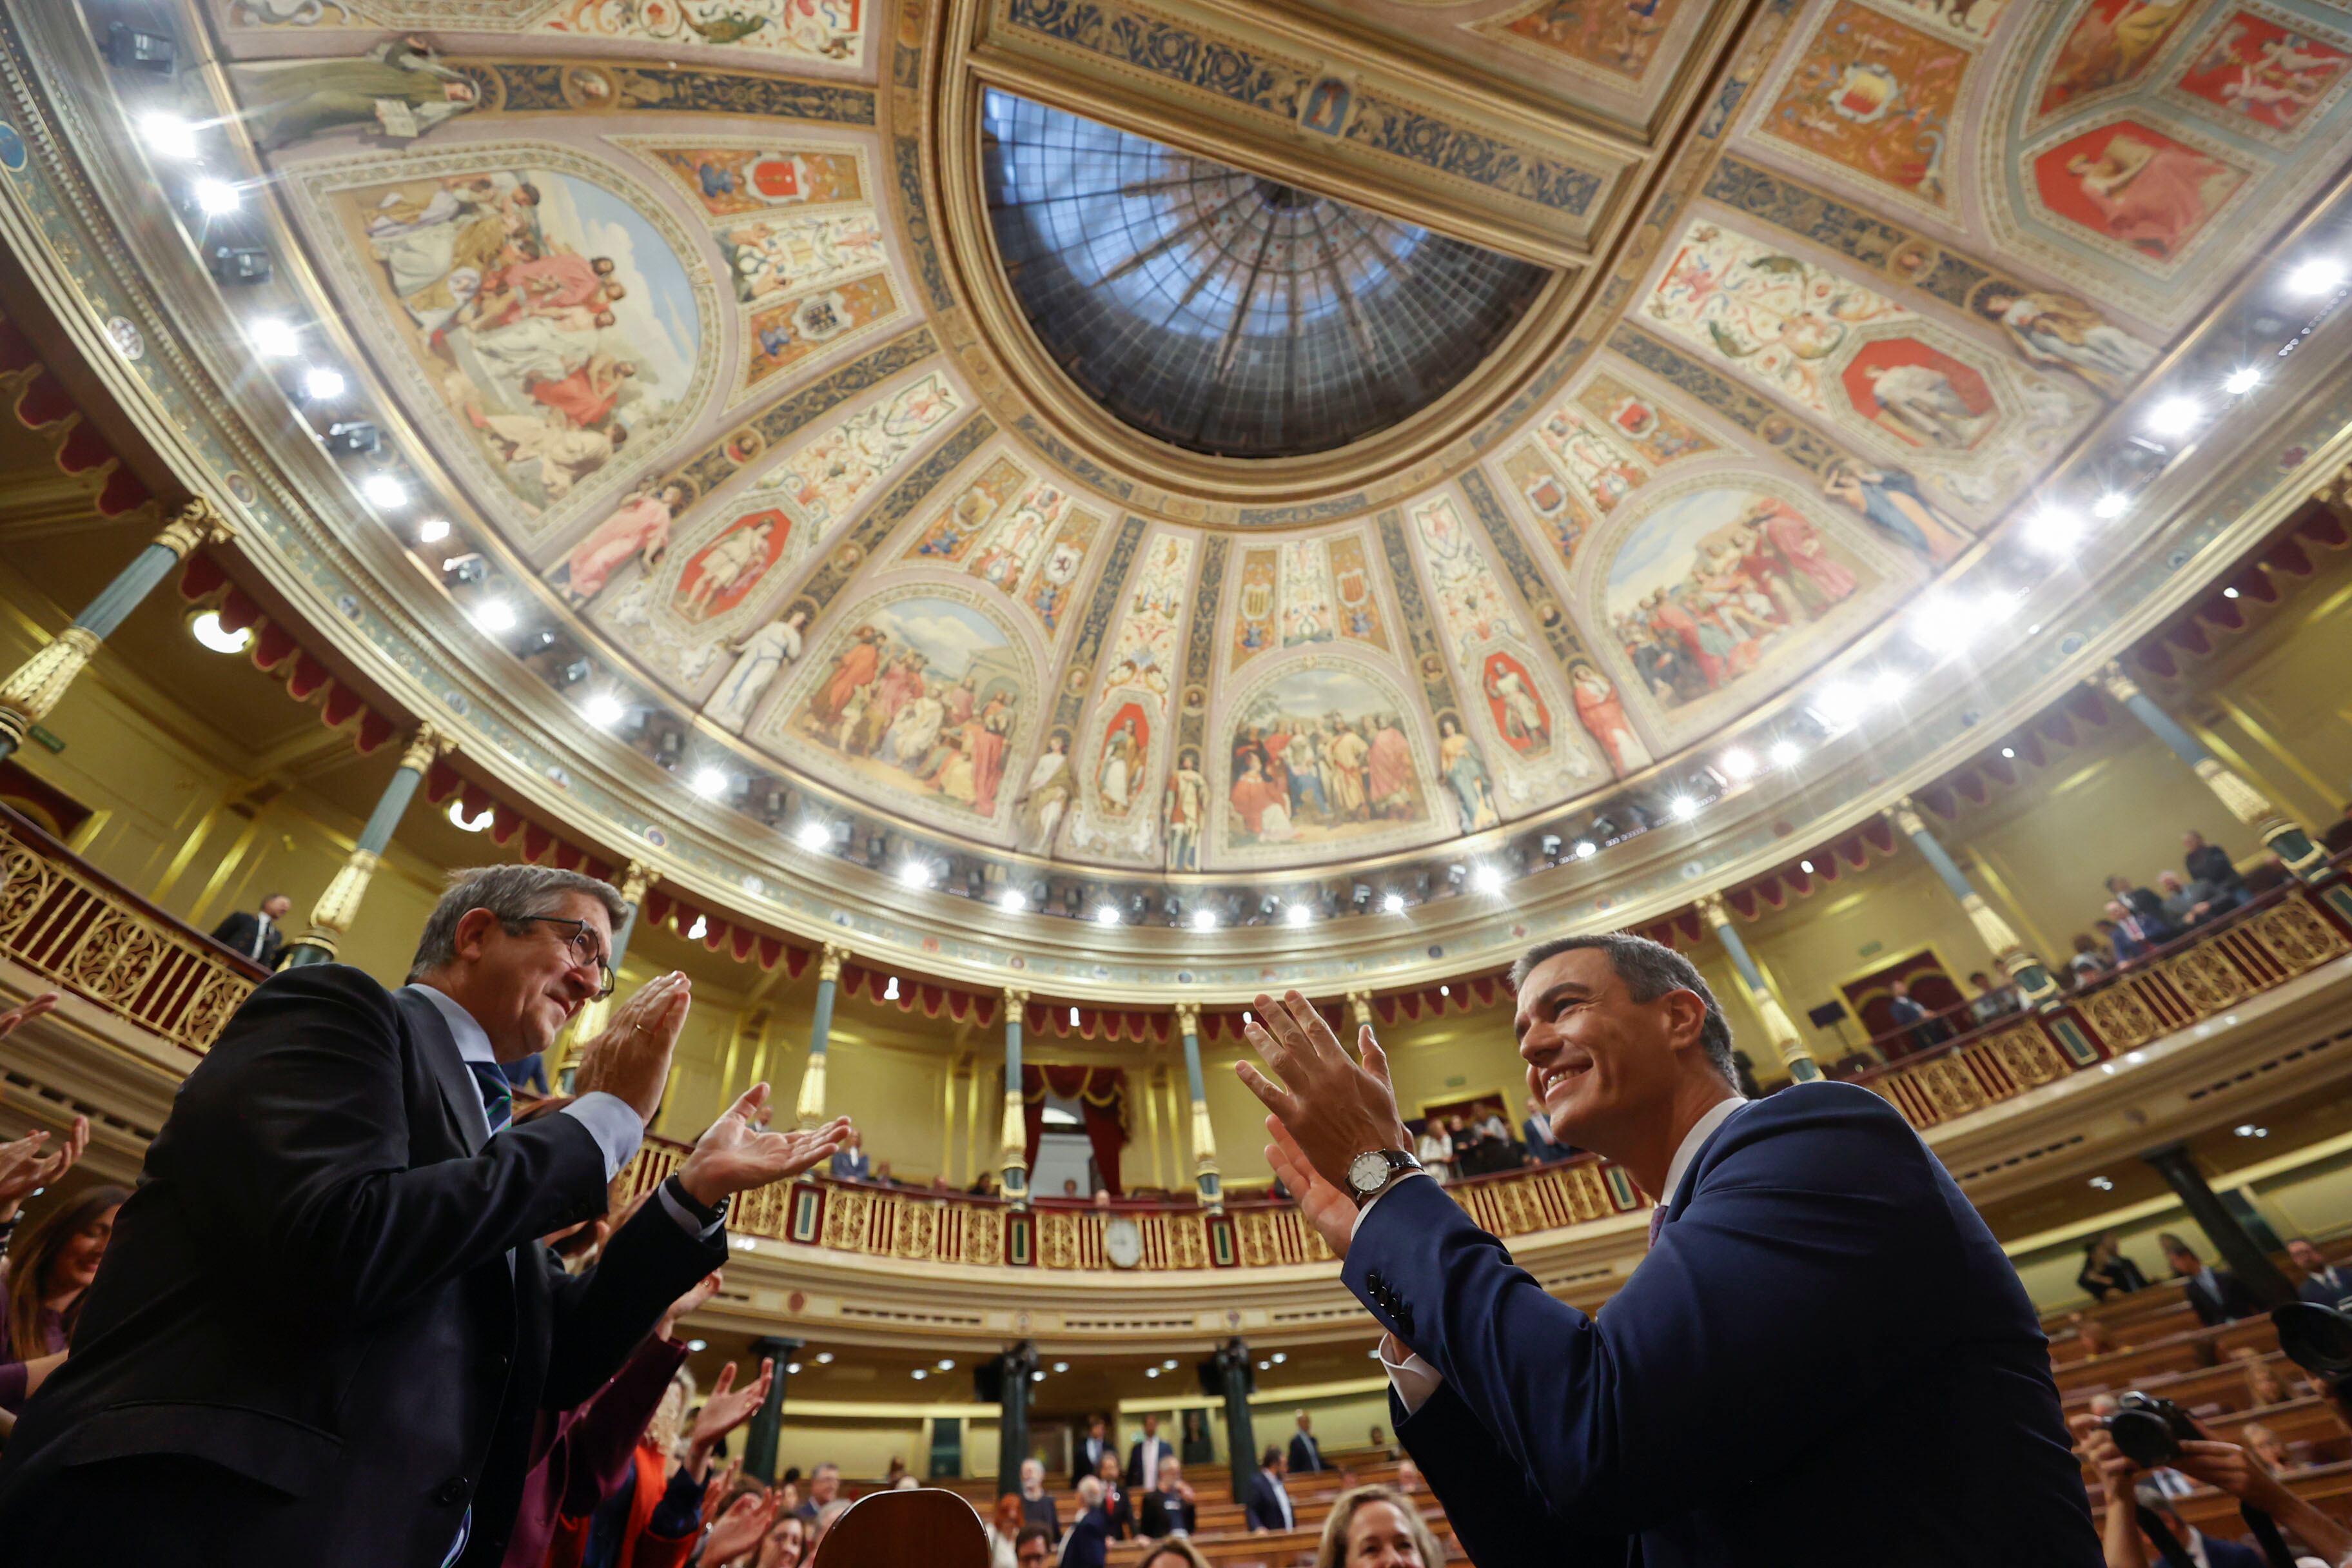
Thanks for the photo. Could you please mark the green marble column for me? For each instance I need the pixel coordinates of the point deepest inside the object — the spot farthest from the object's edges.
(340, 904)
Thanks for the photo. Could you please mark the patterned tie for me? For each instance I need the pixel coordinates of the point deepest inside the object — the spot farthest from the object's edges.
(1657, 1222)
(498, 1095)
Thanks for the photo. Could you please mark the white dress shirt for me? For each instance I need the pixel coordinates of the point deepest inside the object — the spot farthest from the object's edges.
(261, 924)
(1281, 1496)
(1414, 1379)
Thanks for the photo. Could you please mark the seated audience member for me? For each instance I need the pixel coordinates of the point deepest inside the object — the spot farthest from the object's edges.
(1090, 1450)
(1117, 1503)
(2316, 1278)
(1376, 1525)
(1543, 1149)
(1168, 1508)
(1381, 1445)
(825, 1486)
(1198, 1448)
(2133, 937)
(906, 1484)
(1173, 1553)
(983, 1185)
(1495, 1128)
(48, 1276)
(2090, 1335)
(2265, 1445)
(1471, 1153)
(2184, 903)
(1036, 1502)
(1306, 1454)
(1144, 1455)
(2107, 1272)
(260, 937)
(786, 1545)
(2263, 1387)
(1267, 1506)
(1089, 1543)
(2090, 960)
(2211, 864)
(1033, 1546)
(1102, 1200)
(2217, 1294)
(1409, 1479)
(1005, 1527)
(849, 1163)
(2143, 902)
(1434, 1149)
(1924, 1031)
(2226, 1466)
(1990, 1001)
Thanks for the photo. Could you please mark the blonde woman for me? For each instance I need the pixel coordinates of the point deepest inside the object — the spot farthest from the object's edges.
(1377, 1527)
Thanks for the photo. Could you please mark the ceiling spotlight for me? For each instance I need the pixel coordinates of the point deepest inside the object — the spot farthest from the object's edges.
(1838, 705)
(2175, 416)
(2229, 592)
(710, 783)
(168, 136)
(273, 339)
(1204, 920)
(2319, 275)
(1074, 1018)
(1738, 764)
(1888, 687)
(947, 1363)
(1106, 914)
(1281, 1356)
(216, 198)
(2054, 532)
(696, 1347)
(1036, 1377)
(791, 1369)
(604, 710)
(1806, 866)
(475, 823)
(1586, 849)
(915, 873)
(1265, 1366)
(494, 615)
(1488, 878)
(920, 1372)
(2247, 1130)
(2110, 505)
(320, 384)
(813, 837)
(2104, 1183)
(1683, 807)
(1061, 1366)
(1299, 914)
(1147, 1372)
(433, 530)
(2009, 753)
(1784, 753)
(206, 628)
(2240, 381)
(1169, 1364)
(824, 1358)
(384, 490)
(1393, 903)
(1013, 900)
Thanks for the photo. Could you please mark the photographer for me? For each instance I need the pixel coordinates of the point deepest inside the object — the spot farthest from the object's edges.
(2225, 1466)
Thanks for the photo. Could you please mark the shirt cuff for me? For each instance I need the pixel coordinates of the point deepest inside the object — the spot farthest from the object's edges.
(686, 1221)
(1413, 1379)
(1384, 1192)
(613, 1123)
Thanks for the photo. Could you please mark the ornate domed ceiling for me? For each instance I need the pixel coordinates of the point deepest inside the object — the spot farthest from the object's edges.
(866, 410)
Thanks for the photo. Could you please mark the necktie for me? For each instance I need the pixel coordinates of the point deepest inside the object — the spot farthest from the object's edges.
(260, 934)
(498, 1096)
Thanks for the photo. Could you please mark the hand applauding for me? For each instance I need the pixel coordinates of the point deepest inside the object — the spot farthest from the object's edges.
(739, 1152)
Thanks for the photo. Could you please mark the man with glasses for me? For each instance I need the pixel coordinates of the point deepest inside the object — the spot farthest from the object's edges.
(326, 1325)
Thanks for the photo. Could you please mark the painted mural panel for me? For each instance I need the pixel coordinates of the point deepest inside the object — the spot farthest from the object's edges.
(1877, 97)
(1121, 813)
(1714, 584)
(1619, 37)
(1470, 602)
(924, 696)
(1969, 19)
(2264, 74)
(1360, 604)
(2149, 193)
(1254, 603)
(827, 31)
(396, 93)
(1321, 756)
(1656, 433)
(949, 538)
(2111, 45)
(758, 177)
(1532, 476)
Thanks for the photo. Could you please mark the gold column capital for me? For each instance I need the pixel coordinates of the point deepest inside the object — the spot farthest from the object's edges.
(425, 747)
(1906, 818)
(2115, 683)
(829, 960)
(1360, 1007)
(197, 523)
(1714, 910)
(1188, 1018)
(1015, 999)
(808, 1109)
(37, 684)
(636, 880)
(2246, 803)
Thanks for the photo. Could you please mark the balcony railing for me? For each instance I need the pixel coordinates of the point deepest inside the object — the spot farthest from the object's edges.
(77, 929)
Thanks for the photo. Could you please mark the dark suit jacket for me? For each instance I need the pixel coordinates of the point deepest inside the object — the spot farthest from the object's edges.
(2229, 1553)
(1164, 1513)
(1824, 1316)
(1136, 1478)
(325, 1326)
(2225, 1302)
(1306, 1455)
(1088, 1457)
(239, 930)
(1089, 1543)
(1262, 1510)
(1118, 1515)
(2312, 1289)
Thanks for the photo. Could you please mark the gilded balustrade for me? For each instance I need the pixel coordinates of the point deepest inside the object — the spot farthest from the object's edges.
(75, 930)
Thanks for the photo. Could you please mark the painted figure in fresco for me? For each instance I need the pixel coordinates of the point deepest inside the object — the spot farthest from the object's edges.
(1524, 723)
(1300, 761)
(1800, 544)
(1187, 806)
(764, 653)
(2152, 197)
(1046, 796)
(1602, 713)
(739, 560)
(2111, 45)
(638, 527)
(853, 671)
(396, 90)
(550, 450)
(1465, 774)
(1924, 404)
(1891, 500)
(1122, 761)
(1389, 772)
(1260, 803)
(2060, 331)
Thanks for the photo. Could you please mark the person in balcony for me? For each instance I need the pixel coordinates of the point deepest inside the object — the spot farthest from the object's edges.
(1144, 1454)
(1306, 1454)
(1925, 1031)
(850, 1163)
(2132, 936)
(1990, 1001)
(2216, 1294)
(46, 1280)
(260, 935)
(1091, 1447)
(2107, 1272)
(2319, 1281)
(2211, 864)
(1434, 1149)
(2090, 960)
(2186, 903)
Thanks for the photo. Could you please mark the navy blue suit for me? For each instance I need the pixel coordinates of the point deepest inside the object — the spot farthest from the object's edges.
(1262, 1509)
(1826, 1359)
(2314, 1289)
(1088, 1546)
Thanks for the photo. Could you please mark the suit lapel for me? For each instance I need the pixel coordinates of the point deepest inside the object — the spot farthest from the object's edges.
(461, 1095)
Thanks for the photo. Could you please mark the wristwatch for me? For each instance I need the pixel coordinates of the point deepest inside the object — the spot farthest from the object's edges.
(708, 1214)
(1374, 1170)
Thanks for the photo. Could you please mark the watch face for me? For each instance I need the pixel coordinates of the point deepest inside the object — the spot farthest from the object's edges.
(1367, 1171)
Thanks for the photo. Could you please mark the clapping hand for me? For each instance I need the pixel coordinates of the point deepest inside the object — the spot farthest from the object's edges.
(631, 1058)
(1335, 1107)
(704, 1288)
(725, 1409)
(27, 1164)
(26, 1013)
(740, 1527)
(739, 1152)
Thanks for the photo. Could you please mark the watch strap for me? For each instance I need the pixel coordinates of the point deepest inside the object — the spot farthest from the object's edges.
(708, 1213)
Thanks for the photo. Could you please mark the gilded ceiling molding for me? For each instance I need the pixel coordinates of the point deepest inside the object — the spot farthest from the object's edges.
(556, 85)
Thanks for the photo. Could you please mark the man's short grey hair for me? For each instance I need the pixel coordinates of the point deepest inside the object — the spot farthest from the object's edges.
(1089, 1489)
(514, 894)
(1650, 970)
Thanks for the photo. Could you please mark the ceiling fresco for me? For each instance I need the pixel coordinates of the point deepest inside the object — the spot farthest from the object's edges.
(660, 284)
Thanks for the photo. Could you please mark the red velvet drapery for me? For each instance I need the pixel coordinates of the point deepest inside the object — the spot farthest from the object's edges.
(1101, 1094)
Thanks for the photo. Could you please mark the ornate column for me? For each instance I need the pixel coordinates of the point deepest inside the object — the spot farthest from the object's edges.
(1205, 1174)
(333, 915)
(1013, 1160)
(2033, 979)
(810, 1107)
(768, 1424)
(1013, 1368)
(2285, 838)
(589, 1022)
(1783, 1032)
(28, 694)
(2239, 1249)
(1241, 1440)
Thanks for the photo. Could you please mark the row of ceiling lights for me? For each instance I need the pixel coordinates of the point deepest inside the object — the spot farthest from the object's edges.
(1944, 624)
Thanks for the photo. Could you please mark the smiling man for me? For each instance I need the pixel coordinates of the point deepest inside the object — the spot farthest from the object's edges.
(1824, 1359)
(325, 1325)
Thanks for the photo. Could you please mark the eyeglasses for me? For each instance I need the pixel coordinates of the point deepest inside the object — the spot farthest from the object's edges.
(585, 952)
